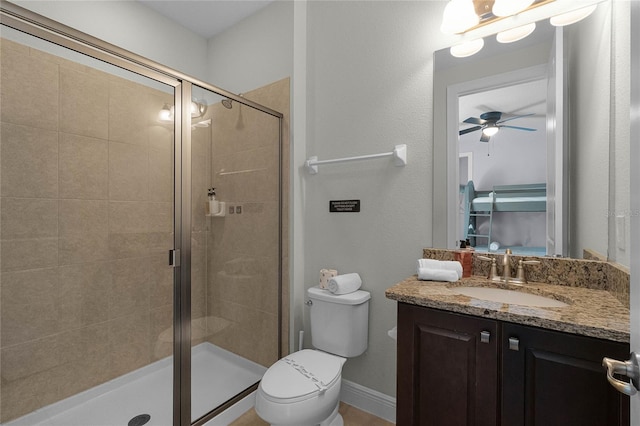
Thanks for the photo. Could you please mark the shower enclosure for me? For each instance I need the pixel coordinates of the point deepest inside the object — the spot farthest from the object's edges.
(126, 297)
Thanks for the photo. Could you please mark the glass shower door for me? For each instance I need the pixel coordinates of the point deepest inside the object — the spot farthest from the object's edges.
(87, 219)
(235, 247)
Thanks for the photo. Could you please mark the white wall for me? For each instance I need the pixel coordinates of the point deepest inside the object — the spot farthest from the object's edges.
(255, 52)
(589, 171)
(132, 26)
(620, 167)
(369, 88)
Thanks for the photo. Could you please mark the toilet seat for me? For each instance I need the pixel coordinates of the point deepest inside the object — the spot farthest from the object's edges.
(300, 376)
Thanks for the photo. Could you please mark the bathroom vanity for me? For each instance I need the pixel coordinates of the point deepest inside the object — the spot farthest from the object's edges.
(466, 360)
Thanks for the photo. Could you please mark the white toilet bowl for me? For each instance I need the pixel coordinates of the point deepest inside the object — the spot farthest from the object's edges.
(302, 389)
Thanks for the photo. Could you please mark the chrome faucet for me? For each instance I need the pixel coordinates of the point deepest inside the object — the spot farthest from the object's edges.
(506, 266)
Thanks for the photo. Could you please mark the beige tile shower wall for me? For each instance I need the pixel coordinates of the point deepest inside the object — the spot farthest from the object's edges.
(243, 259)
(86, 187)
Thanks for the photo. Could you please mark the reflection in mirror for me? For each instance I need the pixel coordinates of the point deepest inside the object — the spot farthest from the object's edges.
(503, 200)
(513, 79)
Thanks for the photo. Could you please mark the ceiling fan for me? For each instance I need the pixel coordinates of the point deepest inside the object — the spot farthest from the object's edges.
(490, 123)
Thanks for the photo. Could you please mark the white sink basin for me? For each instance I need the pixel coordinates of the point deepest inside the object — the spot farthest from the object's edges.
(509, 296)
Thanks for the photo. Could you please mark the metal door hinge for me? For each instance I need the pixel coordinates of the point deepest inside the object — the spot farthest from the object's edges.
(174, 258)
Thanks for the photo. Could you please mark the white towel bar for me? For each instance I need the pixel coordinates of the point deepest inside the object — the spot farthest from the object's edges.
(399, 153)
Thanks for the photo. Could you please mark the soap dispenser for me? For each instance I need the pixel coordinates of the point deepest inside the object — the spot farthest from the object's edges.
(214, 205)
(465, 257)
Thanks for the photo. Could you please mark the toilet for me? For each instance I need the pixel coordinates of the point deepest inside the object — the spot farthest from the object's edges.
(303, 388)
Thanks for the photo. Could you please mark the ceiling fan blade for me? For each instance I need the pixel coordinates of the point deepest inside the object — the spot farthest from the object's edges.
(513, 118)
(469, 130)
(484, 138)
(474, 120)
(528, 129)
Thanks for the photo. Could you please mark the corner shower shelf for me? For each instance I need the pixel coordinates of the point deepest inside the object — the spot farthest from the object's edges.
(399, 155)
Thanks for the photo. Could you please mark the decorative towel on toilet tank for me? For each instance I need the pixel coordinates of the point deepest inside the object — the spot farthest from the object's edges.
(344, 284)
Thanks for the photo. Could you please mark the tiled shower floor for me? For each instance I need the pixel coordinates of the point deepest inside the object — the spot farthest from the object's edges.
(217, 375)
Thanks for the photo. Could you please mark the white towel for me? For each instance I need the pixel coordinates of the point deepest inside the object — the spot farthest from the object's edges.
(343, 284)
(449, 265)
(429, 274)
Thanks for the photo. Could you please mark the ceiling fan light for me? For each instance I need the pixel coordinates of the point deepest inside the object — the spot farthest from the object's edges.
(490, 130)
(467, 49)
(515, 34)
(459, 16)
(510, 7)
(572, 17)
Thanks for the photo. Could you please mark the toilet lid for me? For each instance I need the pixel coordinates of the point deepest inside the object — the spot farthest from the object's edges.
(302, 373)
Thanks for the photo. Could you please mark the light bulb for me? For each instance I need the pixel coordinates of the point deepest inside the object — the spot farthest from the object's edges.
(166, 113)
(197, 109)
(467, 49)
(515, 34)
(490, 130)
(510, 7)
(459, 16)
(573, 16)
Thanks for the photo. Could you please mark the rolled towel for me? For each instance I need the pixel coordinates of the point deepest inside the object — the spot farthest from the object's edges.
(343, 284)
(449, 265)
(429, 274)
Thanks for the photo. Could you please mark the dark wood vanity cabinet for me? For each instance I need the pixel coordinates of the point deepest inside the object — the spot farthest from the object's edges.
(553, 378)
(461, 370)
(447, 369)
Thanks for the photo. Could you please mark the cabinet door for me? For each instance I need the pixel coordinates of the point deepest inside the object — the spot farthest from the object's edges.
(556, 379)
(447, 376)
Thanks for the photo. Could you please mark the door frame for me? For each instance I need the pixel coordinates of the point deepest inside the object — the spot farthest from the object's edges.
(635, 196)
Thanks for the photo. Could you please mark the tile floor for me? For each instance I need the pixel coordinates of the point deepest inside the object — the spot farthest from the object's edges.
(351, 415)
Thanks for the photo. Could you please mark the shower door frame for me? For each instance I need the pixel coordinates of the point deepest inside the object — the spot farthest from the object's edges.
(39, 26)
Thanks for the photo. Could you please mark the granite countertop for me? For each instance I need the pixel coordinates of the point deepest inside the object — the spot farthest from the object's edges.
(594, 313)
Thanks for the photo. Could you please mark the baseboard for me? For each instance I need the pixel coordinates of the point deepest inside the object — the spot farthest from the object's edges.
(369, 400)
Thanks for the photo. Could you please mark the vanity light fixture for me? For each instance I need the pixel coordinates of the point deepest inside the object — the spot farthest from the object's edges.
(510, 7)
(515, 34)
(468, 48)
(511, 20)
(572, 17)
(198, 109)
(459, 16)
(166, 113)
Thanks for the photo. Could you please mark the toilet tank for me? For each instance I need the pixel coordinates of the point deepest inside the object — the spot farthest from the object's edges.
(339, 323)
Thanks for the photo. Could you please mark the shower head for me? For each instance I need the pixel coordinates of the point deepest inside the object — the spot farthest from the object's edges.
(228, 103)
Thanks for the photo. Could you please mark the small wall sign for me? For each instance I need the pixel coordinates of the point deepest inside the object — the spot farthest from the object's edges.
(344, 206)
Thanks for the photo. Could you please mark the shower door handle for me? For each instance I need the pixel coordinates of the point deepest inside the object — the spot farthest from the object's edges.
(174, 258)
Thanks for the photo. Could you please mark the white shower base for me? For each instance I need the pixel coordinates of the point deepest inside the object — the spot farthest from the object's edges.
(217, 375)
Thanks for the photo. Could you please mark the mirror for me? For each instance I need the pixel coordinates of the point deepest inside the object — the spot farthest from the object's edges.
(587, 49)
